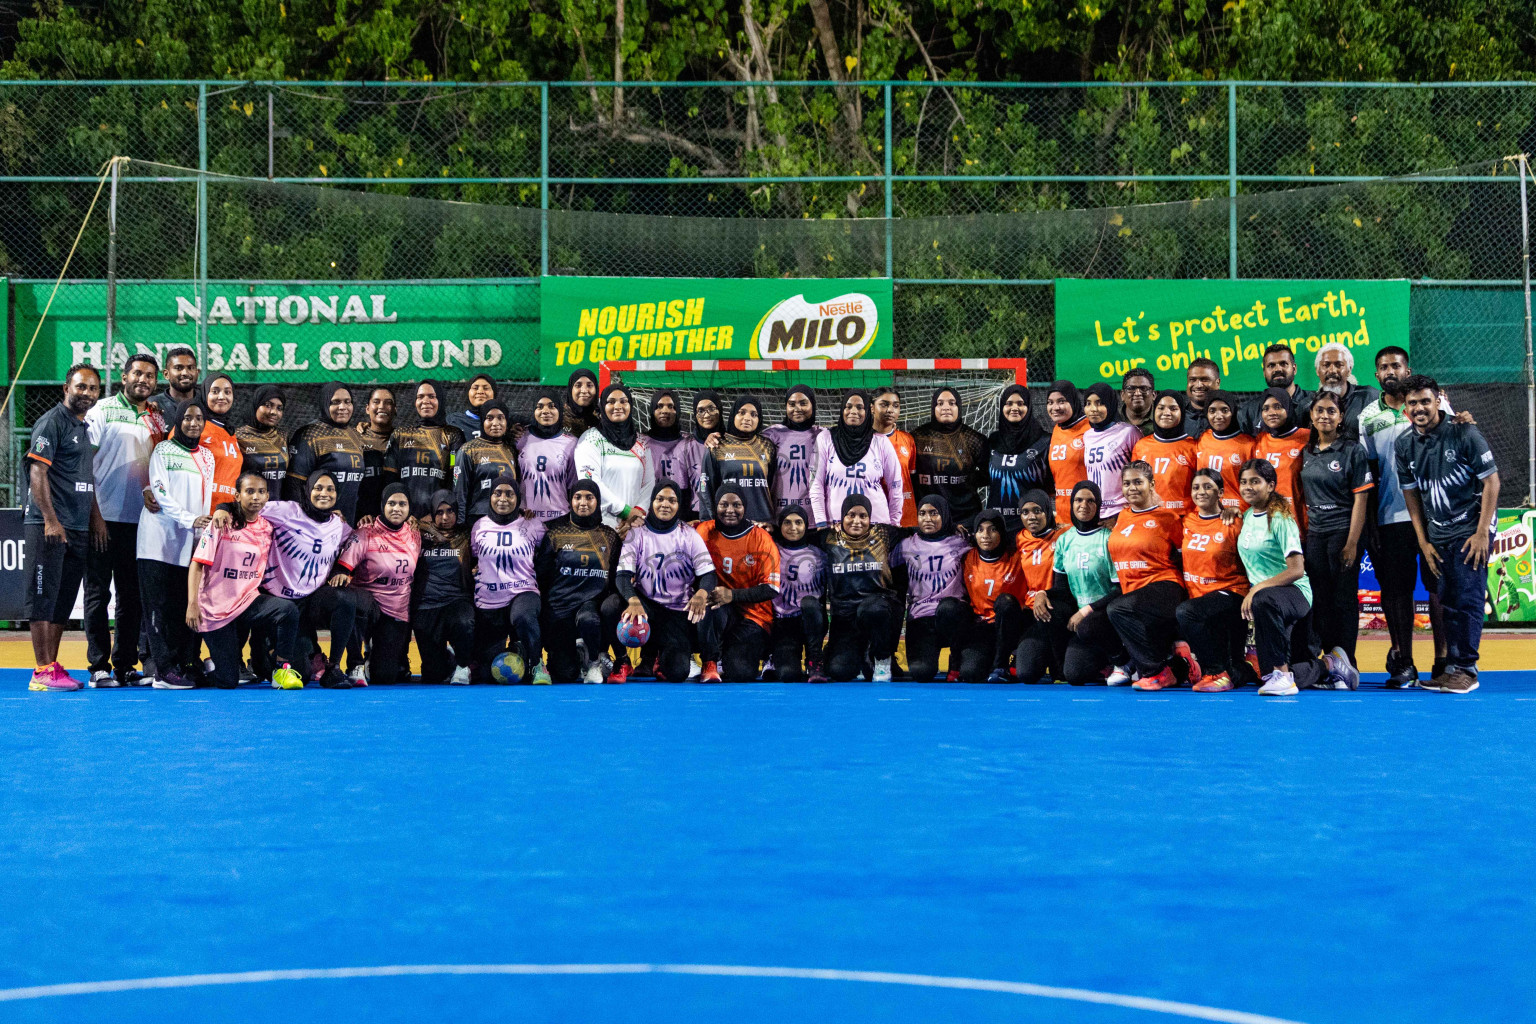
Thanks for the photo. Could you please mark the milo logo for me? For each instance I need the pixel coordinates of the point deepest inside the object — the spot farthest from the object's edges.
(840, 328)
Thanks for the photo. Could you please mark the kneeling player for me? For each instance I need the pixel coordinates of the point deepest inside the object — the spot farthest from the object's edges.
(994, 583)
(799, 615)
(575, 565)
(1042, 642)
(936, 611)
(865, 606)
(442, 595)
(506, 589)
(666, 576)
(381, 560)
(734, 633)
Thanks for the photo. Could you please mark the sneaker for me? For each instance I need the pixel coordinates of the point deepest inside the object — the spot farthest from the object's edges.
(1458, 681)
(286, 678)
(1181, 651)
(952, 676)
(1401, 673)
(815, 673)
(594, 673)
(1162, 681)
(359, 674)
(173, 681)
(1279, 684)
(131, 677)
(102, 679)
(710, 673)
(1251, 656)
(335, 679)
(999, 675)
(541, 675)
(52, 677)
(1218, 683)
(248, 675)
(1343, 672)
(1119, 675)
(882, 673)
(1435, 682)
(460, 676)
(620, 673)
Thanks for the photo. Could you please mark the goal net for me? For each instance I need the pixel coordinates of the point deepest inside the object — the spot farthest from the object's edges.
(979, 382)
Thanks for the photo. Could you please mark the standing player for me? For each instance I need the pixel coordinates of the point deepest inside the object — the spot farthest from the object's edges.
(580, 413)
(261, 442)
(1200, 382)
(471, 422)
(575, 565)
(854, 460)
(1211, 620)
(219, 439)
(666, 576)
(330, 446)
(951, 458)
(936, 613)
(1065, 408)
(794, 441)
(506, 585)
(1170, 451)
(887, 406)
(180, 382)
(1280, 443)
(421, 457)
(443, 595)
(1335, 482)
(734, 633)
(614, 455)
(374, 433)
(745, 458)
(799, 613)
(481, 460)
(1018, 453)
(546, 459)
(1106, 446)
(60, 520)
(1224, 448)
(380, 561)
(706, 418)
(673, 454)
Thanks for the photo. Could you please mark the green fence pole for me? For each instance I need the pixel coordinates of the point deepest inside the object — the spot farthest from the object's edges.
(202, 226)
(889, 205)
(544, 179)
(1232, 180)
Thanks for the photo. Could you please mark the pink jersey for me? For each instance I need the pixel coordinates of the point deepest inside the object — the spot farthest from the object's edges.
(666, 564)
(504, 560)
(1106, 453)
(303, 550)
(878, 476)
(234, 562)
(547, 468)
(383, 562)
(796, 458)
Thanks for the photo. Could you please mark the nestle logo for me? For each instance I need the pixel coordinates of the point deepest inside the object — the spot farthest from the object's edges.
(839, 308)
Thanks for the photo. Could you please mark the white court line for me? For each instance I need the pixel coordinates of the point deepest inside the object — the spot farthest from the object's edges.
(1021, 988)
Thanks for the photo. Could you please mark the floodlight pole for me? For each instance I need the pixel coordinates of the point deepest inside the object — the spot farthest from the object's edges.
(111, 274)
(1530, 366)
(202, 226)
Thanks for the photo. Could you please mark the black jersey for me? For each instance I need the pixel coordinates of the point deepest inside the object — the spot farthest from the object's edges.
(1447, 466)
(1011, 476)
(858, 568)
(442, 571)
(750, 464)
(265, 451)
(951, 464)
(475, 469)
(62, 446)
(337, 450)
(370, 496)
(575, 564)
(1330, 479)
(422, 459)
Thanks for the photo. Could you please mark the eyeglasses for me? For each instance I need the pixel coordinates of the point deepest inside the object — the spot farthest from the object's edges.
(1136, 389)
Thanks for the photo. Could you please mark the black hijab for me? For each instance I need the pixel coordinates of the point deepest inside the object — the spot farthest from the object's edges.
(594, 520)
(1047, 505)
(1069, 391)
(852, 443)
(436, 419)
(805, 517)
(174, 432)
(946, 518)
(327, 392)
(729, 427)
(1225, 398)
(746, 524)
(1014, 438)
(673, 432)
(479, 410)
(440, 497)
(1005, 545)
(809, 424)
(583, 416)
(1111, 399)
(620, 435)
(933, 423)
(1284, 398)
(1178, 430)
(488, 407)
(851, 502)
(664, 526)
(319, 515)
(555, 429)
(390, 490)
(223, 420)
(517, 510)
(701, 434)
(1098, 496)
(264, 394)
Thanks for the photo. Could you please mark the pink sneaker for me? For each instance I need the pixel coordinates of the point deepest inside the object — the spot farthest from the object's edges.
(53, 677)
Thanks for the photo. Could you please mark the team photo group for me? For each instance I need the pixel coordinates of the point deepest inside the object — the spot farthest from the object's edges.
(1156, 538)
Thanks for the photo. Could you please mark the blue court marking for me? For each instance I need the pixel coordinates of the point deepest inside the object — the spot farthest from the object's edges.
(1336, 857)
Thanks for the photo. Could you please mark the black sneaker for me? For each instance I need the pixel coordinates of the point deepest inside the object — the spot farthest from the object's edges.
(248, 676)
(1401, 673)
(335, 679)
(130, 677)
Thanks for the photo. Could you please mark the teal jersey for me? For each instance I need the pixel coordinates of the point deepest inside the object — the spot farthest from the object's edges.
(1264, 544)
(1084, 559)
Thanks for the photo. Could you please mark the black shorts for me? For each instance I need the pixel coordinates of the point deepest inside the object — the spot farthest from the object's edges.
(54, 572)
(1396, 558)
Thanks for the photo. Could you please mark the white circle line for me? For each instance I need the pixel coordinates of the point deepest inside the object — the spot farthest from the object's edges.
(1193, 1011)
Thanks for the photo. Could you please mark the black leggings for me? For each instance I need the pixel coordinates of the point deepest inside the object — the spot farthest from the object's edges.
(389, 646)
(172, 644)
(1091, 649)
(1213, 624)
(333, 608)
(1282, 632)
(673, 638)
(595, 621)
(734, 642)
(518, 620)
(796, 633)
(436, 629)
(1147, 620)
(868, 631)
(267, 615)
(1042, 646)
(1335, 590)
(927, 636)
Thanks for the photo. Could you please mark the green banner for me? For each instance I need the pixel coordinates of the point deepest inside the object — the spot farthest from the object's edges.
(1104, 328)
(1511, 584)
(590, 320)
(277, 332)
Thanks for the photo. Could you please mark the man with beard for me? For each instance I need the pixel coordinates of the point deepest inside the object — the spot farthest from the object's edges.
(1203, 380)
(123, 430)
(180, 381)
(374, 432)
(1136, 390)
(1279, 372)
(60, 520)
(1335, 366)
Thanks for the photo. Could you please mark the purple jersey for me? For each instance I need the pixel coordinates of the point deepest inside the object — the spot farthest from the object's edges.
(796, 463)
(666, 564)
(302, 549)
(504, 560)
(679, 460)
(548, 471)
(878, 476)
(801, 572)
(933, 571)
(1105, 454)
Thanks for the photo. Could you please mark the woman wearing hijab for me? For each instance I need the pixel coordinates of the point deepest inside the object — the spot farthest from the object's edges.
(1064, 406)
(1107, 445)
(1042, 643)
(1223, 447)
(794, 440)
(950, 458)
(580, 411)
(443, 595)
(614, 455)
(1283, 445)
(328, 445)
(708, 410)
(262, 444)
(181, 479)
(932, 559)
(666, 575)
(471, 422)
(1083, 583)
(379, 562)
(1170, 451)
(674, 455)
(225, 602)
(575, 564)
(481, 460)
(799, 612)
(218, 436)
(1018, 456)
(994, 583)
(546, 458)
(851, 459)
(743, 457)
(506, 586)
(421, 457)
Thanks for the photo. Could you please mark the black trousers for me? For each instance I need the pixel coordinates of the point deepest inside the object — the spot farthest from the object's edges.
(797, 634)
(267, 616)
(987, 645)
(869, 631)
(673, 638)
(518, 621)
(333, 608)
(104, 649)
(1091, 649)
(163, 588)
(927, 636)
(1147, 619)
(438, 628)
(1042, 646)
(735, 643)
(1335, 590)
(1282, 632)
(1214, 628)
(595, 621)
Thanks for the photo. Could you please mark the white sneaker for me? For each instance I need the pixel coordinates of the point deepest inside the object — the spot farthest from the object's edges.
(1341, 670)
(594, 673)
(694, 670)
(101, 678)
(1279, 684)
(1120, 675)
(882, 670)
(460, 676)
(359, 674)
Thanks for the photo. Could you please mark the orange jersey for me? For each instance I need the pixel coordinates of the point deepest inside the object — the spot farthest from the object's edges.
(1284, 453)
(743, 562)
(1173, 466)
(986, 581)
(1210, 556)
(906, 454)
(1225, 456)
(1036, 556)
(1141, 546)
(228, 460)
(1067, 468)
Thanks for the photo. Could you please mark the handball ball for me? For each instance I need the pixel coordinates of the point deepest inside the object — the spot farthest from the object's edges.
(507, 668)
(634, 632)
